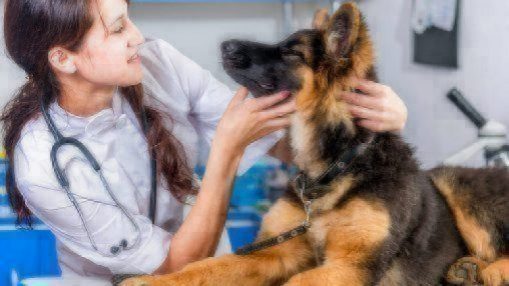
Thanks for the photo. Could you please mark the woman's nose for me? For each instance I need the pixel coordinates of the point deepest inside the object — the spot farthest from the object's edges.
(136, 38)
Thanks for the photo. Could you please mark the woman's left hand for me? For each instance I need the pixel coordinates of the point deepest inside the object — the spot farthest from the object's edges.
(379, 108)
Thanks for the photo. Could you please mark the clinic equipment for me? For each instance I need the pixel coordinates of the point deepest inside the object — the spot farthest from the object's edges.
(492, 136)
(60, 141)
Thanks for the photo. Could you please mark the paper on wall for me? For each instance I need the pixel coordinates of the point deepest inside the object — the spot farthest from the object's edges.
(438, 13)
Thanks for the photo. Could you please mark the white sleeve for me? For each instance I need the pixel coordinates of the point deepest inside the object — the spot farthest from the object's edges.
(107, 223)
(208, 99)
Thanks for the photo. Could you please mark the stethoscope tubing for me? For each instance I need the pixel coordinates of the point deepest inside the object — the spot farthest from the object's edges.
(61, 141)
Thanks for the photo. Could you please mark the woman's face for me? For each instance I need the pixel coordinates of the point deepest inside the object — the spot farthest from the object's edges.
(108, 55)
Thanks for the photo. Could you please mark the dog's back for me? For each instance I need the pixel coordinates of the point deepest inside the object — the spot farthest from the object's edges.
(479, 200)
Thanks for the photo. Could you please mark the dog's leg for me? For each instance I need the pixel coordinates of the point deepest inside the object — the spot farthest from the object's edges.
(353, 244)
(264, 267)
(327, 275)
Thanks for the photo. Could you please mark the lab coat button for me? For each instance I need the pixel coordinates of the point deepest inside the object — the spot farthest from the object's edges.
(114, 250)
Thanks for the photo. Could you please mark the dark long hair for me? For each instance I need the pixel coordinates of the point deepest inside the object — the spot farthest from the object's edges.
(31, 29)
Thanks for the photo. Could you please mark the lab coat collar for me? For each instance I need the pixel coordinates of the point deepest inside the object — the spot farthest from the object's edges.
(77, 126)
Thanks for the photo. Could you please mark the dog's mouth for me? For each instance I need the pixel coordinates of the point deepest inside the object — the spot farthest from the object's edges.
(257, 87)
(266, 86)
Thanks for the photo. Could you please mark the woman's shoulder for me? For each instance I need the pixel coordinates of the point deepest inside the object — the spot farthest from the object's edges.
(32, 153)
(35, 141)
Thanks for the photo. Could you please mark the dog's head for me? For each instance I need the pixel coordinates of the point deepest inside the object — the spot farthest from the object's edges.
(312, 63)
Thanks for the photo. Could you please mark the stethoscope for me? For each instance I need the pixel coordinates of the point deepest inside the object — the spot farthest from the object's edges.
(61, 141)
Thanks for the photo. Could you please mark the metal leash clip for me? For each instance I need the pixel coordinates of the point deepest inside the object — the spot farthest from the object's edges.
(301, 187)
(307, 209)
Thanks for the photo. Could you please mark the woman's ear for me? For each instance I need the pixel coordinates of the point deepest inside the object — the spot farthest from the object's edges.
(343, 30)
(62, 60)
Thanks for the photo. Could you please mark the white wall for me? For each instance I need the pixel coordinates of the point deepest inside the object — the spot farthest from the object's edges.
(434, 126)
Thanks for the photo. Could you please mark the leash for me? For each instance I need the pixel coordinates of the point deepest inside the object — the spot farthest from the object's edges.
(308, 190)
(283, 237)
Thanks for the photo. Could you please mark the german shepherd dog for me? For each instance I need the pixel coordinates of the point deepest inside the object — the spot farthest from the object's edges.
(380, 221)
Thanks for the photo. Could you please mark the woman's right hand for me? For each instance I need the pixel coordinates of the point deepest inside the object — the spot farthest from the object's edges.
(246, 120)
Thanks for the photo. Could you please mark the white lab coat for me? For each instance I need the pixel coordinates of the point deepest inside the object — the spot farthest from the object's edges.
(174, 84)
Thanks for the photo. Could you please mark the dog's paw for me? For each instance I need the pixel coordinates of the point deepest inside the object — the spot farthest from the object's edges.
(466, 271)
(497, 273)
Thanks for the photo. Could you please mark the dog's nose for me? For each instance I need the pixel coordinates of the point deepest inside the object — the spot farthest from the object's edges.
(234, 55)
(230, 47)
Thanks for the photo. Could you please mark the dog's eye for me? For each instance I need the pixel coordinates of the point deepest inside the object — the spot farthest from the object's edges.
(292, 55)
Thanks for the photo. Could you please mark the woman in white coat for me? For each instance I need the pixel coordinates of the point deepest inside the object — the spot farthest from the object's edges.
(96, 76)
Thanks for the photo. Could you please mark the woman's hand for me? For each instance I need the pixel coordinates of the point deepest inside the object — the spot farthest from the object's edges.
(379, 108)
(246, 120)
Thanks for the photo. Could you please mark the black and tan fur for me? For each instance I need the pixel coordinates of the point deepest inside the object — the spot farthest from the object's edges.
(383, 223)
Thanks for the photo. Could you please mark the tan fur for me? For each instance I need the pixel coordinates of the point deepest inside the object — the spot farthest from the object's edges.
(305, 48)
(318, 97)
(320, 19)
(336, 111)
(363, 57)
(393, 276)
(306, 155)
(355, 16)
(307, 98)
(496, 273)
(315, 100)
(349, 236)
(328, 201)
(476, 237)
(282, 217)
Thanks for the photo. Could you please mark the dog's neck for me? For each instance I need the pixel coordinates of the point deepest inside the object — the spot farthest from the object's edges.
(322, 133)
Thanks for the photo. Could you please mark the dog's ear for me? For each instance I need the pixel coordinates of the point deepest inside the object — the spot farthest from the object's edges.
(342, 30)
(321, 19)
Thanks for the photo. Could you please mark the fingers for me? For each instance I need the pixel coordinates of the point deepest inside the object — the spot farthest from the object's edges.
(380, 106)
(275, 124)
(239, 96)
(371, 88)
(365, 113)
(360, 100)
(279, 110)
(268, 101)
(373, 125)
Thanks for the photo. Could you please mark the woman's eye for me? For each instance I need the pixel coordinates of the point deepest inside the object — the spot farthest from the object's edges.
(119, 30)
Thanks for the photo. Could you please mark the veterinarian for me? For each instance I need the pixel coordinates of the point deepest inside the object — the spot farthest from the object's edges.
(138, 107)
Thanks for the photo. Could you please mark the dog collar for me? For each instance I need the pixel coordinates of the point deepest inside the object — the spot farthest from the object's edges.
(315, 188)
